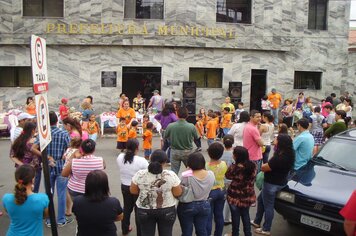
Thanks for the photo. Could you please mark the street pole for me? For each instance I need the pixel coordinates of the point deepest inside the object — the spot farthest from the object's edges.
(52, 214)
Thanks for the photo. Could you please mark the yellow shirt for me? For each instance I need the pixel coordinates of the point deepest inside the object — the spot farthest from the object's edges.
(219, 170)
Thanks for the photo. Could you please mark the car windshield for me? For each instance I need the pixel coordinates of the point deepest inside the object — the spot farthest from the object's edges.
(342, 152)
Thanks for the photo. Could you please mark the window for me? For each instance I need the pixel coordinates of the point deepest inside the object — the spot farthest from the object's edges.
(206, 77)
(317, 14)
(51, 8)
(15, 77)
(307, 80)
(234, 11)
(144, 9)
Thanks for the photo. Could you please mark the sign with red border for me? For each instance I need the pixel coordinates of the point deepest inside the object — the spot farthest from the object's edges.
(44, 128)
(39, 64)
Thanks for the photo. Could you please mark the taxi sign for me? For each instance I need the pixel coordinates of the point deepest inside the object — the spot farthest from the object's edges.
(39, 64)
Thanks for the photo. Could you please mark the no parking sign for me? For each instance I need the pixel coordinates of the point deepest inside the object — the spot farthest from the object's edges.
(44, 129)
(39, 64)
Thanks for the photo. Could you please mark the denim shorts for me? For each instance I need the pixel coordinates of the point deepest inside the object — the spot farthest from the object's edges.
(147, 152)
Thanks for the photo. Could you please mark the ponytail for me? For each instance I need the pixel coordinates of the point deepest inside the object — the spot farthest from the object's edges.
(155, 168)
(131, 147)
(158, 157)
(23, 176)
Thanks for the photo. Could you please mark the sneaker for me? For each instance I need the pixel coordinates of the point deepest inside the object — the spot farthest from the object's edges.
(254, 224)
(260, 231)
(68, 221)
(48, 224)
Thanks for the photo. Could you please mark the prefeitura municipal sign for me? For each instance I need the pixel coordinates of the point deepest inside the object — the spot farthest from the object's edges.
(39, 64)
(44, 129)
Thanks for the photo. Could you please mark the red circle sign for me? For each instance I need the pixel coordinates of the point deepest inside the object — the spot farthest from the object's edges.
(39, 53)
(41, 113)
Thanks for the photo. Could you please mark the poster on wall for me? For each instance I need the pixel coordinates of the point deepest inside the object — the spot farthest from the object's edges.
(108, 78)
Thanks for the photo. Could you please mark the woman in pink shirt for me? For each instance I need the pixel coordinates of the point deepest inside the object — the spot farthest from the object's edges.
(75, 129)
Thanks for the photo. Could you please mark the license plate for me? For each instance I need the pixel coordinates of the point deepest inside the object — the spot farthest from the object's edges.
(315, 222)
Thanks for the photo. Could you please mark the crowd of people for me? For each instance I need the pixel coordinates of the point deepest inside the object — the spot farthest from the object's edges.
(221, 189)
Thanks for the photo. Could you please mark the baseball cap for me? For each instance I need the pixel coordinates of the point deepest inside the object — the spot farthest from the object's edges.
(155, 91)
(64, 100)
(24, 115)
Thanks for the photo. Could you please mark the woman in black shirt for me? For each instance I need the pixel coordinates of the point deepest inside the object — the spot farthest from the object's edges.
(276, 172)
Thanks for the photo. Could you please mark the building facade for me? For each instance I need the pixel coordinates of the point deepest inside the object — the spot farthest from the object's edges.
(104, 48)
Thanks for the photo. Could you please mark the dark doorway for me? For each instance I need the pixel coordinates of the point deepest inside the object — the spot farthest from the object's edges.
(144, 79)
(258, 88)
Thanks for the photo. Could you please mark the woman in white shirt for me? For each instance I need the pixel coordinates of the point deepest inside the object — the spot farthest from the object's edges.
(157, 189)
(237, 129)
(129, 163)
(266, 131)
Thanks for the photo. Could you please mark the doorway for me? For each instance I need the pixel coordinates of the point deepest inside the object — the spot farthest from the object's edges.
(144, 79)
(258, 88)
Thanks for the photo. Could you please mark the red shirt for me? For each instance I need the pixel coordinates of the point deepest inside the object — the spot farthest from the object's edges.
(63, 111)
(349, 210)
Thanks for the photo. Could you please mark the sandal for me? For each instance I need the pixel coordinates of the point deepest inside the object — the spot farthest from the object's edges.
(260, 231)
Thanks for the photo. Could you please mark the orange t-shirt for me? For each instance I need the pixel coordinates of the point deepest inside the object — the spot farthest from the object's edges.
(132, 133)
(31, 109)
(226, 121)
(122, 133)
(93, 127)
(147, 139)
(275, 99)
(216, 120)
(200, 128)
(211, 129)
(127, 114)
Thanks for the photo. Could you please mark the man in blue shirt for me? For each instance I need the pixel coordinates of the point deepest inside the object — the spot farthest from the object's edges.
(55, 149)
(303, 144)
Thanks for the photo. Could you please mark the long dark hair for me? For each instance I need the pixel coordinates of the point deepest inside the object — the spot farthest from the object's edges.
(97, 186)
(168, 108)
(285, 146)
(23, 176)
(244, 117)
(241, 156)
(19, 146)
(158, 157)
(74, 123)
(131, 147)
(88, 146)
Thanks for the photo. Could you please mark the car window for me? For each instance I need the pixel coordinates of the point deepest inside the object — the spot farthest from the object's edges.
(341, 152)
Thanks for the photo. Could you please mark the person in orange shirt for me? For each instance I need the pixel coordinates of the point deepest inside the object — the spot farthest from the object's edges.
(126, 112)
(145, 120)
(275, 99)
(211, 127)
(147, 140)
(30, 106)
(133, 130)
(122, 134)
(93, 128)
(226, 120)
(200, 130)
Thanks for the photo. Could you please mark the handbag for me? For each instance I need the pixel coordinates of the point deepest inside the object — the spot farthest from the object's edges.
(187, 194)
(260, 178)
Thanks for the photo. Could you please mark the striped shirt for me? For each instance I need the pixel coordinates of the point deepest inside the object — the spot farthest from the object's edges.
(80, 169)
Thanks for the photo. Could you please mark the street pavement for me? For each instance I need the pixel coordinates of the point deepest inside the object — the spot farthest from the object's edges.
(106, 148)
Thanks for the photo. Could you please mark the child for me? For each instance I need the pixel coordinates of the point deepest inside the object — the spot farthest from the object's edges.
(86, 113)
(147, 140)
(93, 128)
(220, 133)
(133, 130)
(204, 118)
(226, 120)
(122, 134)
(211, 127)
(63, 109)
(145, 120)
(317, 121)
(241, 193)
(200, 130)
(240, 108)
(217, 193)
(265, 104)
(227, 156)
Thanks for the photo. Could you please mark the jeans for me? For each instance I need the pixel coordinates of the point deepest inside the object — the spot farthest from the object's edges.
(61, 183)
(210, 141)
(36, 185)
(163, 217)
(275, 115)
(129, 205)
(196, 213)
(217, 200)
(236, 213)
(226, 130)
(74, 194)
(93, 136)
(266, 154)
(258, 164)
(178, 156)
(265, 205)
(198, 142)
